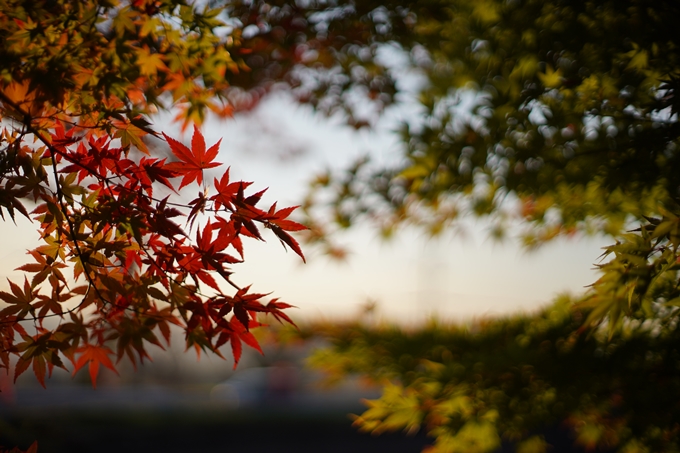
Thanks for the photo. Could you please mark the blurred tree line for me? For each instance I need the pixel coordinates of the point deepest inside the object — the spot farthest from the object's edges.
(572, 130)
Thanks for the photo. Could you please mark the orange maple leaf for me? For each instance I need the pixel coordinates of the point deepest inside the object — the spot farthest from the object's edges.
(95, 355)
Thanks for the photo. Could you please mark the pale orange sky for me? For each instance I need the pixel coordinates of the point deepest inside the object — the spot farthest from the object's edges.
(411, 277)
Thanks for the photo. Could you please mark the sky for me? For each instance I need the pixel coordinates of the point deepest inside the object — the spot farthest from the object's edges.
(411, 278)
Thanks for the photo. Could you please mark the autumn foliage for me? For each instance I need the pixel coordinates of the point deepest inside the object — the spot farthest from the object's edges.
(136, 270)
(123, 256)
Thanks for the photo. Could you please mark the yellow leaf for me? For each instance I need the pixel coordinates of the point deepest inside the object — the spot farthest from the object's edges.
(415, 172)
(526, 67)
(476, 437)
(534, 444)
(129, 134)
(551, 78)
(639, 59)
(486, 12)
(149, 63)
(22, 98)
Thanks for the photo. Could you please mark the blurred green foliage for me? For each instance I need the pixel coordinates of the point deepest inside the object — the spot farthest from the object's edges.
(471, 387)
(565, 108)
(560, 116)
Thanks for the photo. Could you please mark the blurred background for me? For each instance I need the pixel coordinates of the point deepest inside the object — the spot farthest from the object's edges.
(274, 402)
(176, 403)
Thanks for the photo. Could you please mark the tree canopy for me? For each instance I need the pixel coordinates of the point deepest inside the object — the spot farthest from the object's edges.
(570, 109)
(560, 117)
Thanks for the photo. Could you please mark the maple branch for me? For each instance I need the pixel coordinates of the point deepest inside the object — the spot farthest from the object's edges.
(153, 261)
(60, 195)
(143, 270)
(143, 247)
(60, 314)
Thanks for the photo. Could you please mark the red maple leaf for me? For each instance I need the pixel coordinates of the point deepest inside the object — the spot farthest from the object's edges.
(236, 332)
(228, 191)
(278, 222)
(280, 218)
(193, 160)
(94, 355)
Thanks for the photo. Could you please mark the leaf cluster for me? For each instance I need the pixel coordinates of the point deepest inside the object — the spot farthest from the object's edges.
(135, 270)
(116, 268)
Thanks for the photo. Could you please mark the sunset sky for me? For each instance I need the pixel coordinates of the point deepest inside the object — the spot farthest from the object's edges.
(411, 277)
(455, 277)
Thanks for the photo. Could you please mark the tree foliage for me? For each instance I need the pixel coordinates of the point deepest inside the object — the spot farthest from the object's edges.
(567, 107)
(118, 267)
(513, 381)
(560, 117)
